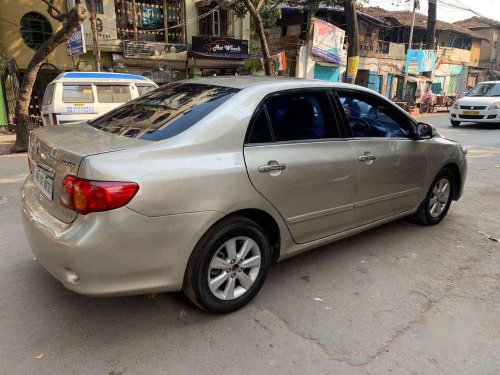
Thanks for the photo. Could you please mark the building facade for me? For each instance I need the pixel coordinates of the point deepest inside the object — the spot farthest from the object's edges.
(489, 57)
(164, 40)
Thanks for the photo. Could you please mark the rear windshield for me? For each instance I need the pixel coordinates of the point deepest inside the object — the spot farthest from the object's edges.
(78, 94)
(164, 112)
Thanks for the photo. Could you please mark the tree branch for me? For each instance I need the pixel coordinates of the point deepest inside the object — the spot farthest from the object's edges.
(260, 5)
(54, 12)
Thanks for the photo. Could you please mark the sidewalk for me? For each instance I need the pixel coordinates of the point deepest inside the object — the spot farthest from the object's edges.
(7, 140)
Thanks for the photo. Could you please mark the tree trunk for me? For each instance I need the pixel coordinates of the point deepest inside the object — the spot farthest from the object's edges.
(431, 25)
(76, 16)
(351, 19)
(269, 64)
(95, 37)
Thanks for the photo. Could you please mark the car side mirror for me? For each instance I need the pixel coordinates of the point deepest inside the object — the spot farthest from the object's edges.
(424, 131)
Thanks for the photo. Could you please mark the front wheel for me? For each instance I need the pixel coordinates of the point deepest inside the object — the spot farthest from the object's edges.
(228, 266)
(438, 200)
(455, 123)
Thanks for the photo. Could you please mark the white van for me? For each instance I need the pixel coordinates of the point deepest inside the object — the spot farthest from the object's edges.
(80, 96)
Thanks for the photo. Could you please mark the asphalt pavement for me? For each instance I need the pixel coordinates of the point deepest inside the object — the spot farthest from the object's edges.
(401, 299)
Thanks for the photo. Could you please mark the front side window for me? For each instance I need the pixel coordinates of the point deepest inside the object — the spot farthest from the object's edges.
(78, 94)
(301, 116)
(113, 94)
(49, 95)
(144, 89)
(368, 116)
(164, 112)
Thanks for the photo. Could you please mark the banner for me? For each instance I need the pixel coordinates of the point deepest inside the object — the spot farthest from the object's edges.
(352, 66)
(134, 49)
(76, 43)
(328, 41)
(420, 60)
(219, 45)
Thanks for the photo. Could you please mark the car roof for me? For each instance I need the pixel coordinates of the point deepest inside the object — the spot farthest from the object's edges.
(242, 82)
(101, 76)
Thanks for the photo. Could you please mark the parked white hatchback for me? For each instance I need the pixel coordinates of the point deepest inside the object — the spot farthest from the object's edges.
(482, 104)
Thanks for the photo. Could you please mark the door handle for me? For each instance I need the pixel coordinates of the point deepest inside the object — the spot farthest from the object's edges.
(270, 168)
(367, 157)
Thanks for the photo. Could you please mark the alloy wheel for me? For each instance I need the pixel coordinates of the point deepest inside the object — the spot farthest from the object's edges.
(439, 197)
(234, 268)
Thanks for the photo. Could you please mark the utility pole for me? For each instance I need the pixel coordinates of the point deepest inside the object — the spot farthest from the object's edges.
(405, 82)
(95, 37)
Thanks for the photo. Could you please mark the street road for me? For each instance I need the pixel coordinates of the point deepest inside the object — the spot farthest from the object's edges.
(401, 299)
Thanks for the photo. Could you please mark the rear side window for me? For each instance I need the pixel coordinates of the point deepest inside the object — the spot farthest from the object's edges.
(113, 93)
(260, 131)
(48, 97)
(78, 94)
(302, 116)
(164, 112)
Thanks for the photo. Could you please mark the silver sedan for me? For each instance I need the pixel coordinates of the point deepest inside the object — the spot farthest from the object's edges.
(201, 184)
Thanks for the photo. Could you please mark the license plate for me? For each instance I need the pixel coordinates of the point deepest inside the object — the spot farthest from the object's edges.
(44, 182)
(471, 112)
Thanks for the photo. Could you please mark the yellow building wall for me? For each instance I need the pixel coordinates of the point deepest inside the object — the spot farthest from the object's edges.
(12, 44)
(475, 52)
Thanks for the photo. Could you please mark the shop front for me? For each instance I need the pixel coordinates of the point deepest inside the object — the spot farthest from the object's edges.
(158, 61)
(215, 56)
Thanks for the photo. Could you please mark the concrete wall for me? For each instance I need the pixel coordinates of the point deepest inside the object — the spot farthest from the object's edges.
(12, 44)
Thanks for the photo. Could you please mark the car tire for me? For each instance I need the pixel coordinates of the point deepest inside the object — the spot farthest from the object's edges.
(212, 263)
(428, 213)
(455, 123)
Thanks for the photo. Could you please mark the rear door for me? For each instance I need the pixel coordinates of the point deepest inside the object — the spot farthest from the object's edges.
(392, 165)
(298, 160)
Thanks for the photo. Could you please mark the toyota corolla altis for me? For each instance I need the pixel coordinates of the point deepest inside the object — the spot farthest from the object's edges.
(201, 184)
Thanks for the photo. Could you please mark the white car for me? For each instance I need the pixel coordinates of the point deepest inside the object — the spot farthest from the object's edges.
(482, 104)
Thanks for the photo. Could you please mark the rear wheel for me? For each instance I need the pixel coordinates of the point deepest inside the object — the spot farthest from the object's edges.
(424, 107)
(438, 200)
(228, 266)
(455, 123)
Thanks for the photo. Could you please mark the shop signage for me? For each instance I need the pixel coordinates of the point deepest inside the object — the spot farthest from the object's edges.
(76, 44)
(219, 45)
(420, 60)
(154, 50)
(328, 41)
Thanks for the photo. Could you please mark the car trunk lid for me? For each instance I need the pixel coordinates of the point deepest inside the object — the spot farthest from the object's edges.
(57, 151)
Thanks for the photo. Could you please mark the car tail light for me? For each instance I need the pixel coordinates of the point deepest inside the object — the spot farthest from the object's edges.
(54, 119)
(85, 196)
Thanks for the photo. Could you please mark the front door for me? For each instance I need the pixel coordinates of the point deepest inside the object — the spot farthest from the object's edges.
(297, 159)
(392, 166)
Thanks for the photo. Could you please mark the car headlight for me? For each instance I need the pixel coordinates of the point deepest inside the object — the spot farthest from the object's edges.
(455, 106)
(495, 106)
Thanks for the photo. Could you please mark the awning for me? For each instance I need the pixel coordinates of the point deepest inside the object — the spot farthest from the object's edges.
(227, 56)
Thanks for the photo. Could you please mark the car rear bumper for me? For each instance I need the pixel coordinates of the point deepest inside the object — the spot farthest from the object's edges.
(118, 252)
(481, 116)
